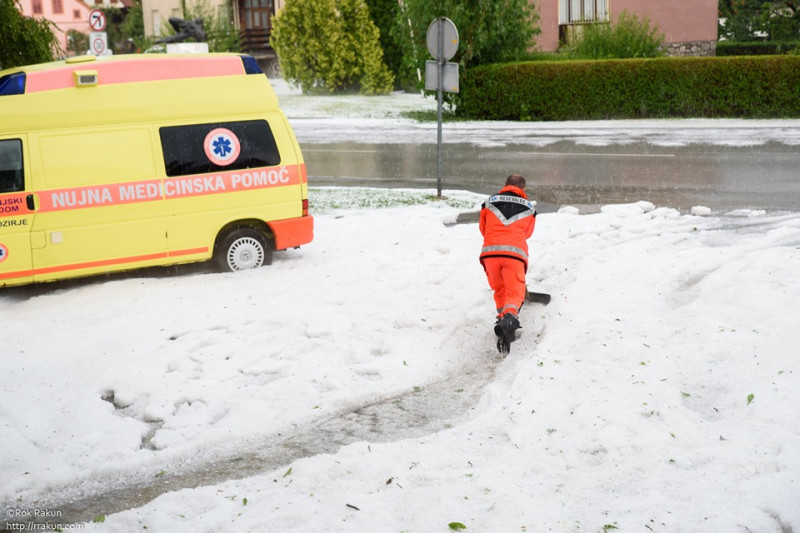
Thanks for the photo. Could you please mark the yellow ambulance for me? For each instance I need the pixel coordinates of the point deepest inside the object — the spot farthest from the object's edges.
(123, 162)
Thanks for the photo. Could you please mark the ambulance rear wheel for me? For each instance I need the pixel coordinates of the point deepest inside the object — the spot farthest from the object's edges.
(242, 249)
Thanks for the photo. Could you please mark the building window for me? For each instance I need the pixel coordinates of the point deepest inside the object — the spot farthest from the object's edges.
(37, 7)
(576, 11)
(58, 7)
(76, 14)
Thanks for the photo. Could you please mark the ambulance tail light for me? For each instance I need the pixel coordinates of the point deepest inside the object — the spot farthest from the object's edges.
(85, 78)
(305, 207)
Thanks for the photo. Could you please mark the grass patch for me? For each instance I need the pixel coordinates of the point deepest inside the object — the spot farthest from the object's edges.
(324, 200)
(432, 116)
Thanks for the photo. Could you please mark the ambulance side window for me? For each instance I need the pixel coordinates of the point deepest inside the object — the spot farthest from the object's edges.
(219, 146)
(12, 176)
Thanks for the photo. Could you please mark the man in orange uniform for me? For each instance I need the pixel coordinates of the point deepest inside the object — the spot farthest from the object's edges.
(506, 223)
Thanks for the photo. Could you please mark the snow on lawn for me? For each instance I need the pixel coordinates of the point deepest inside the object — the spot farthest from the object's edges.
(383, 119)
(657, 392)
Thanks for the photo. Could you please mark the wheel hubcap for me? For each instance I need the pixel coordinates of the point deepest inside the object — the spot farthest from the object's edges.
(245, 253)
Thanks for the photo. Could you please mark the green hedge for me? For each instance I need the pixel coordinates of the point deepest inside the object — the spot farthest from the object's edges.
(755, 48)
(746, 87)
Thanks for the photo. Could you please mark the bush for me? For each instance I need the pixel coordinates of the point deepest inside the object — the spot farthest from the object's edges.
(754, 48)
(330, 45)
(384, 13)
(627, 38)
(77, 42)
(745, 87)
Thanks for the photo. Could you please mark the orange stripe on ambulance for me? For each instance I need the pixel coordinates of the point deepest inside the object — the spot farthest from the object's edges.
(154, 190)
(11, 205)
(264, 178)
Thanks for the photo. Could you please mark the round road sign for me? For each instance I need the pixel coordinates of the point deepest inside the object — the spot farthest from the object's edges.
(97, 20)
(99, 43)
(442, 30)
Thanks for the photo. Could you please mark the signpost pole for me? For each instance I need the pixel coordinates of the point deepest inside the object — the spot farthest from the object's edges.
(442, 41)
(440, 69)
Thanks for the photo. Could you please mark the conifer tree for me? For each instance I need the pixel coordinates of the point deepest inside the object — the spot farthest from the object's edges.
(330, 45)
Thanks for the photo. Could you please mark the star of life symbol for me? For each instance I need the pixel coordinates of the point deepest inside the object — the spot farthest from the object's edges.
(3, 253)
(222, 146)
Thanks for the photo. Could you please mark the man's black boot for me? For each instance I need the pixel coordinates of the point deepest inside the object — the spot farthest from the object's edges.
(505, 329)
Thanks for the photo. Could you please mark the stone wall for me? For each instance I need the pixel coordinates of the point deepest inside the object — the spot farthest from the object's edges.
(691, 49)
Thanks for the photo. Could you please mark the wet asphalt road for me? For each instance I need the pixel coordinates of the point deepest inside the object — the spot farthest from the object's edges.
(764, 176)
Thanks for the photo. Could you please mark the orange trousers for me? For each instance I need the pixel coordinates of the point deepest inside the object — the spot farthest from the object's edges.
(507, 279)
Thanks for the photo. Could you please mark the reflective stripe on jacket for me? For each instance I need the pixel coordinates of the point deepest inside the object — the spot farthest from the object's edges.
(506, 223)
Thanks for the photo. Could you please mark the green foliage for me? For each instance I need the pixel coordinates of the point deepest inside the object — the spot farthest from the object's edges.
(755, 48)
(489, 31)
(742, 19)
(750, 398)
(330, 45)
(132, 28)
(221, 34)
(713, 87)
(384, 13)
(747, 20)
(114, 20)
(25, 40)
(456, 526)
(77, 42)
(782, 19)
(628, 37)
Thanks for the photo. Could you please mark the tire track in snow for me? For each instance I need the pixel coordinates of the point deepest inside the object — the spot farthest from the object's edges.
(408, 414)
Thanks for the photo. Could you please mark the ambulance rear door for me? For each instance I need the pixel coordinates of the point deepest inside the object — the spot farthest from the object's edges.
(16, 213)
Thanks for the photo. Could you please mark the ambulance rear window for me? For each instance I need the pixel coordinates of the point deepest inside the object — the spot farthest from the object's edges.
(12, 178)
(214, 147)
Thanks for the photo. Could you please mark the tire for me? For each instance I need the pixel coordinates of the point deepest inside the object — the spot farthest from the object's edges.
(243, 249)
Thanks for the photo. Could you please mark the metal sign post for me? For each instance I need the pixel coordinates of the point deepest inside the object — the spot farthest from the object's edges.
(442, 40)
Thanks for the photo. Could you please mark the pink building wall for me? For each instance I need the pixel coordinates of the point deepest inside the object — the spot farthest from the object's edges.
(73, 15)
(547, 41)
(680, 20)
